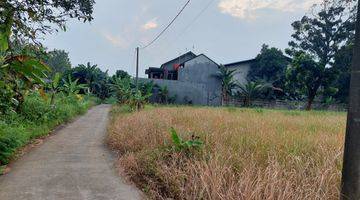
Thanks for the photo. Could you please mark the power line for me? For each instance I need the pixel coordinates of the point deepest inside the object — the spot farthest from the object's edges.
(168, 26)
(197, 16)
(183, 31)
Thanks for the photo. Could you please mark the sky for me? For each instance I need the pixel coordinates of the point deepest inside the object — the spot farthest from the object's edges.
(224, 30)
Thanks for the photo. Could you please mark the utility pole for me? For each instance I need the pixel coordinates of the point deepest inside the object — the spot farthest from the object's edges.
(137, 68)
(350, 183)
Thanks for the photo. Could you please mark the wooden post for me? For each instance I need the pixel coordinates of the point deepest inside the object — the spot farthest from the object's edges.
(350, 185)
(137, 67)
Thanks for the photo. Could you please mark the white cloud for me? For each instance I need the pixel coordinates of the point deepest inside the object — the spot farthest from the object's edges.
(150, 24)
(247, 9)
(115, 40)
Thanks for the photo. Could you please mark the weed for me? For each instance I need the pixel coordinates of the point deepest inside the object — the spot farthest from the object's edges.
(182, 145)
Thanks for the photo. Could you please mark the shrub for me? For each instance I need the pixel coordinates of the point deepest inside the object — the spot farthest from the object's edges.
(35, 108)
(35, 119)
(182, 145)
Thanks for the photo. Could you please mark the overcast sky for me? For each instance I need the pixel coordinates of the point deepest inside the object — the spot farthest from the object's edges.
(228, 31)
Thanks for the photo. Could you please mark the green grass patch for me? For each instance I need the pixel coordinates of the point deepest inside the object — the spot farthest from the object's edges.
(36, 119)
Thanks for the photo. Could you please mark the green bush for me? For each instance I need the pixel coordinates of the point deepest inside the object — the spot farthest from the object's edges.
(181, 145)
(35, 108)
(36, 118)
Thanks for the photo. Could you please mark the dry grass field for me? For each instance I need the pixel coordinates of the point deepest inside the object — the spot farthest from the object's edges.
(247, 153)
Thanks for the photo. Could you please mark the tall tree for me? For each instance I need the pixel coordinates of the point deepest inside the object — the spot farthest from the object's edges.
(28, 19)
(270, 66)
(309, 75)
(319, 37)
(58, 61)
(350, 184)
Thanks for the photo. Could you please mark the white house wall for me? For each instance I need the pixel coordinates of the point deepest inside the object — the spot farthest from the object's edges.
(241, 72)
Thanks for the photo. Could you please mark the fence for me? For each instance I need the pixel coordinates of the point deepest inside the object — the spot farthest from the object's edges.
(288, 105)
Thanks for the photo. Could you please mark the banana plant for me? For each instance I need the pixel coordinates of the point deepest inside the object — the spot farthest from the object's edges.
(71, 87)
(18, 72)
(54, 87)
(137, 100)
(121, 88)
(185, 145)
(22, 67)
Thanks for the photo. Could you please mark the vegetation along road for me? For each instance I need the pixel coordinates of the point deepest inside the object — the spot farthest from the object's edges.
(72, 164)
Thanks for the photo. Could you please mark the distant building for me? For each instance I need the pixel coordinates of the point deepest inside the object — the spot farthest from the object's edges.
(194, 76)
(169, 70)
(242, 69)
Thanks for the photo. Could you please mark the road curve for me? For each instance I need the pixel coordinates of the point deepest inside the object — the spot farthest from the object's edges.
(73, 164)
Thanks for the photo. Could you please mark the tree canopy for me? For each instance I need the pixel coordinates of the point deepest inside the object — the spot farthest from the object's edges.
(317, 39)
(29, 19)
(270, 66)
(58, 61)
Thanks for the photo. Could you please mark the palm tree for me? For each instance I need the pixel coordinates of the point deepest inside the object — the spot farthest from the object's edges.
(227, 83)
(252, 89)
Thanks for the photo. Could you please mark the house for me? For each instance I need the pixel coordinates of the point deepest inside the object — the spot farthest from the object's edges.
(242, 69)
(191, 78)
(169, 70)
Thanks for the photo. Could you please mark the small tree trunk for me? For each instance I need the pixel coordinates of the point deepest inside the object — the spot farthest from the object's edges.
(138, 107)
(226, 99)
(310, 102)
(52, 98)
(223, 97)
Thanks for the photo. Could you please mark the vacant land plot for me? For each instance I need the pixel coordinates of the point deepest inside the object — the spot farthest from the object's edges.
(247, 153)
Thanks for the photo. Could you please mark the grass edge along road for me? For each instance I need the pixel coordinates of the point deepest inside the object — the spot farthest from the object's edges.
(36, 119)
(243, 153)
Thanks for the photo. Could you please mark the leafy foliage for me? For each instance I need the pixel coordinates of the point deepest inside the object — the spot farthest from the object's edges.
(18, 74)
(127, 92)
(251, 90)
(146, 88)
(58, 61)
(317, 40)
(163, 95)
(54, 86)
(121, 89)
(28, 19)
(121, 74)
(36, 118)
(342, 65)
(138, 100)
(227, 82)
(270, 66)
(71, 87)
(182, 145)
(96, 80)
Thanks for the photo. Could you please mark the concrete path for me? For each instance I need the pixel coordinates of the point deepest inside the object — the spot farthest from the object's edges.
(73, 164)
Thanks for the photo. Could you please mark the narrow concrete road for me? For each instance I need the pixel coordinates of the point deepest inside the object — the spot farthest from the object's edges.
(73, 164)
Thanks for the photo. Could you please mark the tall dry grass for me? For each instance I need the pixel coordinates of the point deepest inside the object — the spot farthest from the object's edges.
(248, 154)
